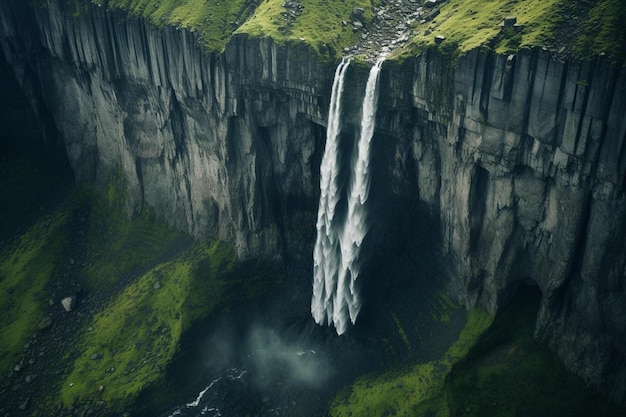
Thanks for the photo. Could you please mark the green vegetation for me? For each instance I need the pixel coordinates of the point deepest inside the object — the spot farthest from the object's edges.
(443, 308)
(401, 331)
(129, 344)
(320, 23)
(413, 390)
(509, 374)
(604, 31)
(214, 20)
(491, 370)
(468, 25)
(117, 245)
(25, 269)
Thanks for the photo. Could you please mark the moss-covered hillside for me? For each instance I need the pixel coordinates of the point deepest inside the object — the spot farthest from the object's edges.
(495, 368)
(138, 287)
(579, 28)
(318, 22)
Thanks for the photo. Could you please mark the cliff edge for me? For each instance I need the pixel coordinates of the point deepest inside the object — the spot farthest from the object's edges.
(520, 156)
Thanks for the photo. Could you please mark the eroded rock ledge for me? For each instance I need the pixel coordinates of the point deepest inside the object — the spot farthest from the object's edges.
(521, 157)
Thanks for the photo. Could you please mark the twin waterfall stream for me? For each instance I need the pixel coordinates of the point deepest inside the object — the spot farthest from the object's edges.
(336, 255)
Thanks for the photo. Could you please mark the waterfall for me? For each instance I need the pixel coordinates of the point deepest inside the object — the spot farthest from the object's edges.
(336, 255)
(325, 254)
(355, 227)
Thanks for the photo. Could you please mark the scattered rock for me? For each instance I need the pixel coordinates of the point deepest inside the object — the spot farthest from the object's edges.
(430, 16)
(45, 323)
(69, 303)
(157, 284)
(509, 21)
(24, 405)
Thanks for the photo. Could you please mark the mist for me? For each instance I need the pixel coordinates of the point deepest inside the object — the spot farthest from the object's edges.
(275, 361)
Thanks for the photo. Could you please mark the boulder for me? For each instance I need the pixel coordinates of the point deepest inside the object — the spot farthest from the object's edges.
(69, 303)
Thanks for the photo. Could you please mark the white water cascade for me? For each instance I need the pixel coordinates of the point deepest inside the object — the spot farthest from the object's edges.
(326, 253)
(336, 254)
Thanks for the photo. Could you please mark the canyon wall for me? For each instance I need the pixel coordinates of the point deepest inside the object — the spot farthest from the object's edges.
(208, 141)
(521, 158)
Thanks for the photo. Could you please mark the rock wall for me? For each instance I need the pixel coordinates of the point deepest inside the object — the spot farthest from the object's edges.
(205, 140)
(521, 157)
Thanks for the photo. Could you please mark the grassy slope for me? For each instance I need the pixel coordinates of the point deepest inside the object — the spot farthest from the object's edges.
(119, 247)
(25, 270)
(412, 390)
(465, 24)
(155, 293)
(509, 374)
(604, 31)
(137, 335)
(319, 24)
(471, 24)
(492, 370)
(215, 20)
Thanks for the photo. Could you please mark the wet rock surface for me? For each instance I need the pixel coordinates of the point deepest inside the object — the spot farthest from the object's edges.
(520, 157)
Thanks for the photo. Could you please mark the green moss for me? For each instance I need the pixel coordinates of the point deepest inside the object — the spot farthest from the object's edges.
(320, 23)
(509, 374)
(415, 390)
(466, 25)
(214, 20)
(119, 246)
(401, 331)
(470, 24)
(25, 270)
(129, 344)
(443, 308)
(604, 31)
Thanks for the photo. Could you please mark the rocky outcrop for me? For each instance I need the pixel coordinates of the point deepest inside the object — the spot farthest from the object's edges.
(520, 157)
(205, 140)
(523, 158)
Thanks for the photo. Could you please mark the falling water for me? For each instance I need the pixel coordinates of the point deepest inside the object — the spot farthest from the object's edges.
(355, 227)
(336, 263)
(325, 255)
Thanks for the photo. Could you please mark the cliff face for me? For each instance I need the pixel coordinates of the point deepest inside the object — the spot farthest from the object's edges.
(207, 141)
(522, 158)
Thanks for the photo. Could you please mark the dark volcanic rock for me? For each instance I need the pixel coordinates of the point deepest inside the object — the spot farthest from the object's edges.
(521, 158)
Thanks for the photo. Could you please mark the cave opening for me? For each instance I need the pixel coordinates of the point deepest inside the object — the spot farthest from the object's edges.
(525, 292)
